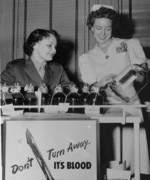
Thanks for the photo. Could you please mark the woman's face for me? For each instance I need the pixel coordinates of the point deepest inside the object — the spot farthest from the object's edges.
(45, 49)
(102, 30)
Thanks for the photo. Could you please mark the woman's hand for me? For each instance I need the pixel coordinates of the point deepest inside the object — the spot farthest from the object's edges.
(148, 63)
(105, 80)
(147, 106)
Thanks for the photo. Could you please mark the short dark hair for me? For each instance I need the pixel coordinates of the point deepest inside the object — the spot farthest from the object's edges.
(36, 36)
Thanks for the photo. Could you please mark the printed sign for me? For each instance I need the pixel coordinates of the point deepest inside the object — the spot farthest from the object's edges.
(51, 150)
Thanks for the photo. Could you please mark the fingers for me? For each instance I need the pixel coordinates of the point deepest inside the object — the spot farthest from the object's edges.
(108, 80)
(148, 63)
(148, 106)
(110, 76)
(105, 80)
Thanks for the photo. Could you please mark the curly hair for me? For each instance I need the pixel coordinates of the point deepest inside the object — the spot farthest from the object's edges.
(122, 26)
(102, 12)
(36, 36)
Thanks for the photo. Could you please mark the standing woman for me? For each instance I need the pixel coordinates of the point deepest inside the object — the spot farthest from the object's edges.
(37, 69)
(104, 61)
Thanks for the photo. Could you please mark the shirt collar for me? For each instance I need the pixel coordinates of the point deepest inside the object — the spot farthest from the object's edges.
(38, 65)
(96, 46)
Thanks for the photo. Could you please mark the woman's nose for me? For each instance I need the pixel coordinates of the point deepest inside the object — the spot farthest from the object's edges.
(54, 49)
(103, 32)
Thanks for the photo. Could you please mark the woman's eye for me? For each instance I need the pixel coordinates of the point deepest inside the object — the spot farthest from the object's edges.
(108, 29)
(98, 28)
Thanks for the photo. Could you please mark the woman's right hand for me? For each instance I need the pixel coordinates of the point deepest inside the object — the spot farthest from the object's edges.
(147, 106)
(105, 80)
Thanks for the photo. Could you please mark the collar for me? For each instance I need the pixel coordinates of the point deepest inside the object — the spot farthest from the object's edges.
(37, 64)
(96, 46)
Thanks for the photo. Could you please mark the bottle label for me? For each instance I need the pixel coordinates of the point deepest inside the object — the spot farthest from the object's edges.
(63, 107)
(9, 110)
(127, 83)
(92, 110)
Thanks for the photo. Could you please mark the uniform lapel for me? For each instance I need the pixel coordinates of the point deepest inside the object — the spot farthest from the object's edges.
(48, 73)
(32, 72)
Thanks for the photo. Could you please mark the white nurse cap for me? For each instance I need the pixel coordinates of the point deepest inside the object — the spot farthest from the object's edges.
(97, 6)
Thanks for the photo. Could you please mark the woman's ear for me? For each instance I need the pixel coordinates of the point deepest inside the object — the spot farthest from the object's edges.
(92, 29)
(35, 46)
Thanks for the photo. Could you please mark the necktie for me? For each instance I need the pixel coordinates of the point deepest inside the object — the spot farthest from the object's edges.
(42, 71)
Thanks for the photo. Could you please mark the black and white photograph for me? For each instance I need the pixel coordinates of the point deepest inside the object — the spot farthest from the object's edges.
(75, 89)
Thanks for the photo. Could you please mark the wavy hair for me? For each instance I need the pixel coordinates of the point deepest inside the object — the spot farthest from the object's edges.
(122, 25)
(36, 36)
(102, 12)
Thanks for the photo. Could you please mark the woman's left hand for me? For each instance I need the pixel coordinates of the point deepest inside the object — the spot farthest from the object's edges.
(147, 106)
(148, 63)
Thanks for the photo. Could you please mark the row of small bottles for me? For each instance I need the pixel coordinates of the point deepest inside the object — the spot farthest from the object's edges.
(14, 95)
(88, 96)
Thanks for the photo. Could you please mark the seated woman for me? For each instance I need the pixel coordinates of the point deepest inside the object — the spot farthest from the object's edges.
(38, 69)
(103, 62)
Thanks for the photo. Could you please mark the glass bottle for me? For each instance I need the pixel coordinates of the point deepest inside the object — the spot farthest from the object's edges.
(95, 97)
(133, 75)
(45, 96)
(18, 98)
(6, 96)
(73, 98)
(58, 95)
(84, 96)
(2, 102)
(30, 97)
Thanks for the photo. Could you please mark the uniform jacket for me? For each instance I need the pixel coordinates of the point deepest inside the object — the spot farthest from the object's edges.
(24, 72)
